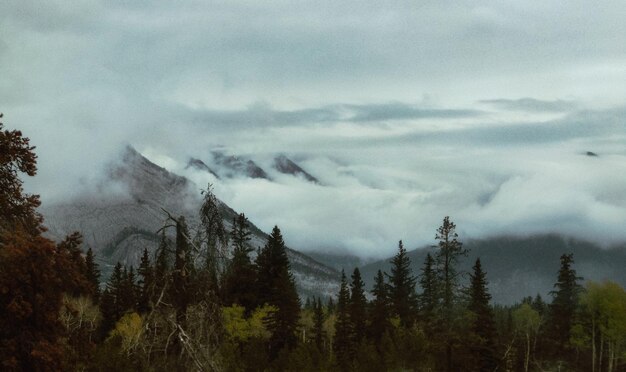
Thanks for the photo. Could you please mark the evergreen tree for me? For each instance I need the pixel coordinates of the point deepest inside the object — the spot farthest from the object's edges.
(357, 308)
(110, 305)
(145, 282)
(276, 287)
(318, 324)
(92, 275)
(214, 237)
(240, 273)
(564, 303)
(429, 296)
(402, 296)
(483, 327)
(342, 345)
(379, 315)
(450, 250)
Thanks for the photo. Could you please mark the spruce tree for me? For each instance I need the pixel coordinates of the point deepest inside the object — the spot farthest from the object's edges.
(402, 296)
(483, 327)
(379, 314)
(214, 237)
(318, 324)
(240, 273)
(357, 308)
(145, 282)
(110, 305)
(342, 345)
(564, 303)
(447, 259)
(276, 287)
(92, 274)
(429, 296)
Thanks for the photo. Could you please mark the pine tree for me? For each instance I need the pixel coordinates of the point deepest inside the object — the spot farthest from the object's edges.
(110, 304)
(145, 282)
(236, 288)
(92, 274)
(402, 296)
(214, 238)
(564, 303)
(342, 345)
(429, 296)
(483, 327)
(447, 258)
(379, 315)
(276, 287)
(357, 308)
(318, 324)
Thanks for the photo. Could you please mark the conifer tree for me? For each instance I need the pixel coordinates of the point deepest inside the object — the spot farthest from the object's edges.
(318, 324)
(429, 296)
(379, 316)
(145, 282)
(447, 258)
(483, 328)
(276, 287)
(342, 345)
(110, 304)
(240, 273)
(92, 275)
(357, 308)
(564, 303)
(402, 296)
(214, 237)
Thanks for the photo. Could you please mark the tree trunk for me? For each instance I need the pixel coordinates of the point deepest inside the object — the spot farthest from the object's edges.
(527, 356)
(593, 345)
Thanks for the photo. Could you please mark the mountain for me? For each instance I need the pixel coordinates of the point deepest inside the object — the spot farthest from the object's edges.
(286, 166)
(518, 267)
(198, 164)
(123, 216)
(233, 166)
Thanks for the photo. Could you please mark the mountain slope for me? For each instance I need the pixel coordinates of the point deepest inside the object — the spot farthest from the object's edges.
(518, 267)
(119, 225)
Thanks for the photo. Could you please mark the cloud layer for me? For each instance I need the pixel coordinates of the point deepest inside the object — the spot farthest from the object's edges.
(405, 111)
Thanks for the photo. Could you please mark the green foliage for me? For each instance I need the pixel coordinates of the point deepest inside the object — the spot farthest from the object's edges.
(276, 287)
(564, 304)
(482, 328)
(401, 289)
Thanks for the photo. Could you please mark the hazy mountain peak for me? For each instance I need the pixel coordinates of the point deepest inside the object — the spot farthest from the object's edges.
(286, 166)
(233, 166)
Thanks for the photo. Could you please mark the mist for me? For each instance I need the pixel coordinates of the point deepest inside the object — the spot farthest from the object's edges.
(405, 112)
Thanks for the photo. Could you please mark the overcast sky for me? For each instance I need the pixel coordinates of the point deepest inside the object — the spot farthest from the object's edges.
(406, 111)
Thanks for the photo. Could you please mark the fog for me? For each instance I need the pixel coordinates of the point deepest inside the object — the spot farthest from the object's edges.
(406, 112)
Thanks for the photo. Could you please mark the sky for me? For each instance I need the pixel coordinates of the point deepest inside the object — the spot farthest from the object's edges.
(407, 111)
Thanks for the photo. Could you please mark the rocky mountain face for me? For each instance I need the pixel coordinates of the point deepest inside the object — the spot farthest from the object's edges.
(233, 166)
(518, 267)
(123, 217)
(286, 166)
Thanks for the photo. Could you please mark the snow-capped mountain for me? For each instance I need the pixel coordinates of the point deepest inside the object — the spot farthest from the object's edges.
(123, 217)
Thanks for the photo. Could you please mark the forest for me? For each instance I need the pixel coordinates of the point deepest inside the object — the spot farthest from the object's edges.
(205, 300)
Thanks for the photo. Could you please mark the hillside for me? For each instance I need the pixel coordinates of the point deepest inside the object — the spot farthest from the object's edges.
(518, 267)
(119, 224)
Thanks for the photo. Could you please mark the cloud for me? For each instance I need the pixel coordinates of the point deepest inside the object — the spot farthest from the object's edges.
(391, 106)
(531, 104)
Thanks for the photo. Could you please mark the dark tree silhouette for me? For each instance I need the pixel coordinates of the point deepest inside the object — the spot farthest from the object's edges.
(483, 327)
(402, 295)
